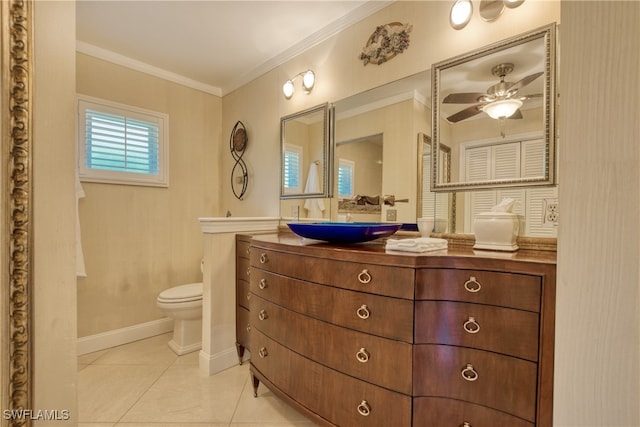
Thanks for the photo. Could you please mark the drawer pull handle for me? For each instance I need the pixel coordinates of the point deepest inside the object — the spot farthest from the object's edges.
(472, 285)
(263, 352)
(248, 327)
(248, 295)
(248, 250)
(364, 277)
(263, 258)
(364, 409)
(471, 326)
(263, 315)
(469, 373)
(363, 312)
(362, 355)
(263, 283)
(248, 271)
(465, 424)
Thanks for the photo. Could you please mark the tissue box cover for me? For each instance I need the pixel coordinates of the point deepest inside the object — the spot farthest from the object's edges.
(496, 231)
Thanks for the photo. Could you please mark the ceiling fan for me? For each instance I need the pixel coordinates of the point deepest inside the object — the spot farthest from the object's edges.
(499, 102)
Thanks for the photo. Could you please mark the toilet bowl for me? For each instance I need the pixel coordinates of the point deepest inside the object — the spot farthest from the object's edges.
(183, 304)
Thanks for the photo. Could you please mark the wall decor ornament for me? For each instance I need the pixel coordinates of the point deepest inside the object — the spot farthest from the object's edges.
(386, 42)
(237, 145)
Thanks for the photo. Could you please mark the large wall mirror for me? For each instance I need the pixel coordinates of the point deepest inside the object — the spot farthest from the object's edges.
(306, 157)
(494, 107)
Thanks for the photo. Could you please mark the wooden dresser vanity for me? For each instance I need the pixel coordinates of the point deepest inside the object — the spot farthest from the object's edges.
(353, 336)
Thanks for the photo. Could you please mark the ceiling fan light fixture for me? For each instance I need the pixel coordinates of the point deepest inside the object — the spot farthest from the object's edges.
(460, 14)
(502, 109)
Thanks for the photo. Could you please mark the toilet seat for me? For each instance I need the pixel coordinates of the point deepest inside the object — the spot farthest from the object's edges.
(183, 293)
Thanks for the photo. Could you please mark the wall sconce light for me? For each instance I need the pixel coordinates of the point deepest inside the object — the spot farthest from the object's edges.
(490, 10)
(308, 80)
(460, 14)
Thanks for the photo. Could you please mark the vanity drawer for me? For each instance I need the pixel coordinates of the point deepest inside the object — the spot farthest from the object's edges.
(519, 291)
(243, 327)
(440, 412)
(501, 382)
(243, 295)
(486, 327)
(331, 394)
(243, 269)
(243, 242)
(354, 353)
(372, 278)
(374, 314)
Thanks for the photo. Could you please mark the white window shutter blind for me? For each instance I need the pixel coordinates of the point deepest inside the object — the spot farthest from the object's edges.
(506, 161)
(477, 165)
(533, 165)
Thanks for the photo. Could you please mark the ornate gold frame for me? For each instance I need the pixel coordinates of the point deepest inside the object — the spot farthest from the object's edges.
(16, 189)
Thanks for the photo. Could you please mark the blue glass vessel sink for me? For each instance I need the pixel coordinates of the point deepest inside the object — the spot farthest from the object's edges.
(344, 232)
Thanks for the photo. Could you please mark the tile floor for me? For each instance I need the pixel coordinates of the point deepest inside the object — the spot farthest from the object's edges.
(145, 384)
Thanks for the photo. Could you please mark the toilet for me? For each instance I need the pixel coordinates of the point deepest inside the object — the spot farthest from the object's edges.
(183, 304)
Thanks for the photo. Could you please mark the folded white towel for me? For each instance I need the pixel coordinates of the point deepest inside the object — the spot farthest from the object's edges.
(422, 244)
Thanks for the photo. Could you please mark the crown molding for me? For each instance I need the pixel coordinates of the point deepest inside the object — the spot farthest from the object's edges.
(346, 21)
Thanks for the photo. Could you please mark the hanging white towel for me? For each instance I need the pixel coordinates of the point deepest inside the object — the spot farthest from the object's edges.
(314, 207)
(422, 244)
(80, 270)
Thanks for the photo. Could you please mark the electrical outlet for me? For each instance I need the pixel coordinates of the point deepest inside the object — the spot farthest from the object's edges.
(551, 213)
(392, 214)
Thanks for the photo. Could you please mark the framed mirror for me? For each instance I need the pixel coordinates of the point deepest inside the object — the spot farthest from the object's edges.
(440, 206)
(494, 107)
(306, 154)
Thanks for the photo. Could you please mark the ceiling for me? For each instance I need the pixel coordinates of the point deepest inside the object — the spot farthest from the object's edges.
(214, 45)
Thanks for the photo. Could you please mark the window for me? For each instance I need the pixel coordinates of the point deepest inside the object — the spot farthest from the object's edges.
(119, 144)
(292, 161)
(345, 178)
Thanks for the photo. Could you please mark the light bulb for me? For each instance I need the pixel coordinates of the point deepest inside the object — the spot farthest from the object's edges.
(512, 4)
(308, 80)
(287, 89)
(460, 14)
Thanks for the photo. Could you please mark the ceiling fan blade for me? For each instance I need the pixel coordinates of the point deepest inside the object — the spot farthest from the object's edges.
(522, 83)
(465, 114)
(516, 115)
(464, 98)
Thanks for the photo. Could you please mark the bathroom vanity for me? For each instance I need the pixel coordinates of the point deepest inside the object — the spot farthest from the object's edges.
(353, 336)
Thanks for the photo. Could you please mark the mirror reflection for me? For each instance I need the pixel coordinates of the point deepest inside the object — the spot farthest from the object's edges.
(494, 108)
(305, 162)
(441, 206)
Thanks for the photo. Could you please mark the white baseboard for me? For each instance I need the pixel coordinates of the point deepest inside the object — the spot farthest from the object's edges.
(213, 363)
(121, 336)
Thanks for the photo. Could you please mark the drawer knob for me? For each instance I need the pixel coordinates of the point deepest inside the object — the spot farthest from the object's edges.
(472, 285)
(471, 326)
(364, 277)
(248, 327)
(363, 312)
(263, 352)
(248, 295)
(362, 355)
(263, 258)
(263, 315)
(263, 283)
(364, 409)
(248, 271)
(469, 373)
(465, 424)
(248, 250)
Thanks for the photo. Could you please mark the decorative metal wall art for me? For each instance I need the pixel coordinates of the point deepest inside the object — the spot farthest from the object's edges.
(386, 42)
(239, 173)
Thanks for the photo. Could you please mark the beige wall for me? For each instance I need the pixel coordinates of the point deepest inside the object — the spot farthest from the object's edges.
(597, 370)
(339, 74)
(54, 283)
(138, 240)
